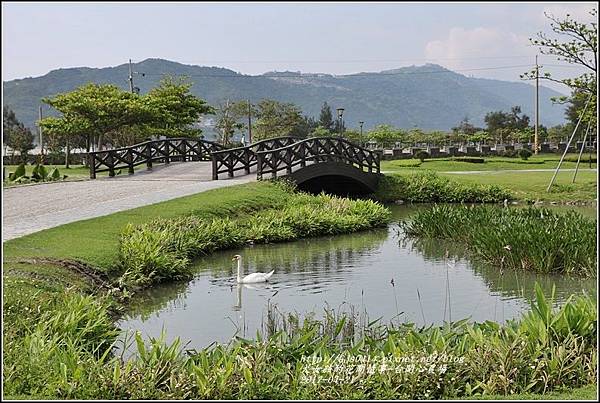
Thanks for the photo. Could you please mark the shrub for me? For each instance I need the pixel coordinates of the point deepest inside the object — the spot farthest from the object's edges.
(421, 155)
(472, 160)
(428, 187)
(524, 153)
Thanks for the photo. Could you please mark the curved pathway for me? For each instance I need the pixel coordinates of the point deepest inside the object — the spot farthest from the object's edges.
(32, 208)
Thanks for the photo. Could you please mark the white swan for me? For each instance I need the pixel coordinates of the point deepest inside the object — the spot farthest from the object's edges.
(250, 278)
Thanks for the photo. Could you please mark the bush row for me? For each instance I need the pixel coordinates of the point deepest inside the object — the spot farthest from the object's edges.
(162, 249)
(428, 187)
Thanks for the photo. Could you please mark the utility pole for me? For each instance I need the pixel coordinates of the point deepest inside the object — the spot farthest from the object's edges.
(249, 123)
(41, 139)
(537, 105)
(130, 77)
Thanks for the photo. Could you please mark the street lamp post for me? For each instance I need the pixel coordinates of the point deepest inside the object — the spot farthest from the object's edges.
(361, 123)
(340, 112)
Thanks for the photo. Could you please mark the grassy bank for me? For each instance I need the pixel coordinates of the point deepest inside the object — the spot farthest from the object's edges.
(96, 241)
(66, 331)
(163, 249)
(429, 187)
(535, 239)
(504, 172)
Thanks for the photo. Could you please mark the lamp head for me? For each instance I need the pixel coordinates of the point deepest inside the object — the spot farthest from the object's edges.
(340, 112)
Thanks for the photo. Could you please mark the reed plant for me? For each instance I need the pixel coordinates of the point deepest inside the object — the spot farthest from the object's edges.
(532, 238)
(67, 355)
(162, 249)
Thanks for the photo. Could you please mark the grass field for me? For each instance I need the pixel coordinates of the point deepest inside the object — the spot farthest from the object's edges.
(542, 161)
(525, 185)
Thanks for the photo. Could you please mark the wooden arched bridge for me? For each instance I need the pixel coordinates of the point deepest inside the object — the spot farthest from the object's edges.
(332, 164)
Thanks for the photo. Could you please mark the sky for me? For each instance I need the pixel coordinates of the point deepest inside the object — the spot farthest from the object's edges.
(489, 40)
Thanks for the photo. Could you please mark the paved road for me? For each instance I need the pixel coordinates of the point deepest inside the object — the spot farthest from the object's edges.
(28, 209)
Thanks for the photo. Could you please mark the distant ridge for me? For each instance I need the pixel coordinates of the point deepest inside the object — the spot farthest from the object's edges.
(430, 97)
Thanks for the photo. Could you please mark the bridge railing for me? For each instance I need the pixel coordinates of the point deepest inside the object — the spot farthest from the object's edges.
(232, 160)
(315, 150)
(148, 152)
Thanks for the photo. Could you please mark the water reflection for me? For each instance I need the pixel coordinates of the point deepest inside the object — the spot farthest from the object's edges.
(378, 272)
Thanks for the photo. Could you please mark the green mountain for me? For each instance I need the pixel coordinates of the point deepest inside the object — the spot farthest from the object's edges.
(429, 96)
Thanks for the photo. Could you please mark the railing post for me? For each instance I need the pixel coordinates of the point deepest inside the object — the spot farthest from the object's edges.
(167, 151)
(275, 162)
(302, 155)
(149, 155)
(111, 164)
(247, 160)
(231, 161)
(130, 160)
(184, 146)
(259, 163)
(215, 175)
(289, 161)
(92, 165)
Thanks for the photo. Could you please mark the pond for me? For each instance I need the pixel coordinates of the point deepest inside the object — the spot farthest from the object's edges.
(377, 272)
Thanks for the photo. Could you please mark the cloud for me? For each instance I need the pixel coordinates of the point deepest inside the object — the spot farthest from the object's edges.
(479, 47)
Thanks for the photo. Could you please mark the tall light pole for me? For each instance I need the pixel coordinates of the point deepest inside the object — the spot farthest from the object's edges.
(537, 106)
(340, 112)
(361, 123)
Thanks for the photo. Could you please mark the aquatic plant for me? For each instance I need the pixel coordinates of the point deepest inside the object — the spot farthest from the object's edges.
(532, 238)
(161, 250)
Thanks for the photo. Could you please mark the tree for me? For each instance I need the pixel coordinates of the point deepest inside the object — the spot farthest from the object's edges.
(174, 109)
(304, 128)
(320, 131)
(500, 124)
(10, 123)
(21, 140)
(227, 122)
(275, 119)
(61, 133)
(577, 44)
(326, 118)
(96, 111)
(465, 127)
(386, 135)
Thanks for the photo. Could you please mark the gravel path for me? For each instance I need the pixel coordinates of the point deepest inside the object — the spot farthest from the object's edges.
(28, 209)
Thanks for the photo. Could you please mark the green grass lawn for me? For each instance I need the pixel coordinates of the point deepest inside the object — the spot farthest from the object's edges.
(96, 240)
(74, 173)
(532, 185)
(524, 185)
(542, 161)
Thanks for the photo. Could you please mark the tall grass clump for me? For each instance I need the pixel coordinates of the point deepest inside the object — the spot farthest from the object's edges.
(337, 357)
(162, 249)
(536, 239)
(428, 187)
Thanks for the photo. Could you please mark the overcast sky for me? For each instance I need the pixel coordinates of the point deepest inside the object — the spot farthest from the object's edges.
(484, 40)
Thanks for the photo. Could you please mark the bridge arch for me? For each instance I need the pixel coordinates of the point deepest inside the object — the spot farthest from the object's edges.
(334, 177)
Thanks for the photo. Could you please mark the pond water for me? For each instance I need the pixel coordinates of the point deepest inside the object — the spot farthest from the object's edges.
(377, 272)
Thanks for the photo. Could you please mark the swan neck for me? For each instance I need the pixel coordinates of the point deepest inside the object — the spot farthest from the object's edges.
(239, 270)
